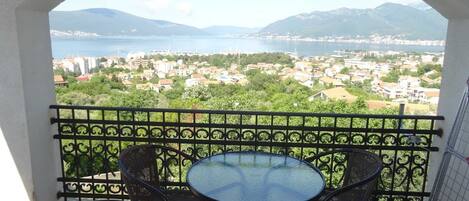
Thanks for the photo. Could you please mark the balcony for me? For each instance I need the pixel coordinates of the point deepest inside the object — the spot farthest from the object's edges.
(91, 139)
(33, 162)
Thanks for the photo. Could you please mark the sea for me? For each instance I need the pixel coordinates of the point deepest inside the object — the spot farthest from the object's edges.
(122, 46)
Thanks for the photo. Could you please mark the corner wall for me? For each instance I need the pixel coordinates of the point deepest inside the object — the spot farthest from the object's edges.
(455, 75)
(27, 151)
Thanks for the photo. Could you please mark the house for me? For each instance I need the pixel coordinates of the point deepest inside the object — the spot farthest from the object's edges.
(165, 84)
(358, 63)
(357, 79)
(338, 93)
(303, 65)
(124, 76)
(148, 86)
(197, 80)
(343, 77)
(317, 75)
(360, 73)
(383, 67)
(197, 76)
(164, 66)
(330, 72)
(183, 72)
(407, 82)
(60, 81)
(327, 81)
(308, 83)
(127, 82)
(301, 76)
(149, 74)
(430, 81)
(427, 58)
(392, 90)
(431, 97)
(425, 95)
(135, 64)
(84, 78)
(192, 82)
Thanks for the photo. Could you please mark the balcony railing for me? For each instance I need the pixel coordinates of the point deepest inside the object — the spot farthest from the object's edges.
(91, 139)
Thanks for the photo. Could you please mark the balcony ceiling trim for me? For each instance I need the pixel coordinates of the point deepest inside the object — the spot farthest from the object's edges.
(451, 9)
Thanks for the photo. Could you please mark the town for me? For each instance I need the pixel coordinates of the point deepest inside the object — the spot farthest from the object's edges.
(383, 78)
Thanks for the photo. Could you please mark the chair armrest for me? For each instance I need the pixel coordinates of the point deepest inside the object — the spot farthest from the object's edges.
(152, 189)
(187, 156)
(351, 186)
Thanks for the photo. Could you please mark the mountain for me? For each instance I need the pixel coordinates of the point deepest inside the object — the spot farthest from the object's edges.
(108, 22)
(230, 30)
(420, 5)
(387, 19)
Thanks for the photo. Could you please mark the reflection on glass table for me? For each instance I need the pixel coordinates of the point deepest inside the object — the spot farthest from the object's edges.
(255, 176)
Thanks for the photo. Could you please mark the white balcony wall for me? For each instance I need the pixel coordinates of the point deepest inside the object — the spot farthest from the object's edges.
(455, 72)
(28, 156)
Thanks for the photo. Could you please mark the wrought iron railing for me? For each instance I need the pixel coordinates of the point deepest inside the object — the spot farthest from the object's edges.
(91, 139)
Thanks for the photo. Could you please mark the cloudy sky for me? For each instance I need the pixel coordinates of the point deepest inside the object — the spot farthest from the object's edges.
(203, 13)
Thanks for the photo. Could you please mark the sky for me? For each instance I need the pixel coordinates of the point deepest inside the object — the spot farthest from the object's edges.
(204, 13)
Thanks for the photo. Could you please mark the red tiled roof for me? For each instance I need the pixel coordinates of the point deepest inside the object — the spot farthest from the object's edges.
(165, 82)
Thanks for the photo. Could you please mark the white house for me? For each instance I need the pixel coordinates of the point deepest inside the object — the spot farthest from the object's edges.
(407, 82)
(425, 95)
(392, 90)
(358, 63)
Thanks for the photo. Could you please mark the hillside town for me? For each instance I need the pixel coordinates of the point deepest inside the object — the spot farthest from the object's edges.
(388, 78)
(372, 39)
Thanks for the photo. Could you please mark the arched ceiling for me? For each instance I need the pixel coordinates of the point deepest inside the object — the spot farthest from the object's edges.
(451, 9)
(40, 5)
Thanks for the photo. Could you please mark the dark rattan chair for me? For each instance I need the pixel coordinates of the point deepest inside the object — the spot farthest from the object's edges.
(362, 170)
(145, 167)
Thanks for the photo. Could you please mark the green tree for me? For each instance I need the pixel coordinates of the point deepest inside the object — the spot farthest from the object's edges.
(392, 76)
(345, 71)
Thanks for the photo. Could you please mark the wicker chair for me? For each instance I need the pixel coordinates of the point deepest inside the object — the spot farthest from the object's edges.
(143, 167)
(362, 170)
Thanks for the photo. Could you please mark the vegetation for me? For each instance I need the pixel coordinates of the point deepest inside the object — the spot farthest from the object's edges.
(426, 68)
(363, 90)
(263, 93)
(392, 76)
(226, 60)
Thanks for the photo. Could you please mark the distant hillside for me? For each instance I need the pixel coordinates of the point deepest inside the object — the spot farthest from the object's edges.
(387, 19)
(108, 22)
(230, 30)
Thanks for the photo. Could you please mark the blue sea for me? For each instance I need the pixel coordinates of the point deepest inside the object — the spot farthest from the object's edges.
(121, 46)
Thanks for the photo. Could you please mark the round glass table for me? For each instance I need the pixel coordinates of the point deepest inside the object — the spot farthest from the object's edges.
(254, 176)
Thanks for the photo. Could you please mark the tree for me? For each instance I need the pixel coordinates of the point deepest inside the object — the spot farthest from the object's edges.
(345, 71)
(260, 81)
(140, 68)
(423, 69)
(392, 76)
(135, 99)
(201, 93)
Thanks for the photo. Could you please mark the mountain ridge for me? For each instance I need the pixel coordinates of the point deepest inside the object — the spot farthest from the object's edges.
(393, 19)
(110, 22)
(386, 19)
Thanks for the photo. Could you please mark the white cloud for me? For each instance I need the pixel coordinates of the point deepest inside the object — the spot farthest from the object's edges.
(156, 4)
(185, 8)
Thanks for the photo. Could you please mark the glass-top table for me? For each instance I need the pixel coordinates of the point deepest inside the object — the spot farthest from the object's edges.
(254, 176)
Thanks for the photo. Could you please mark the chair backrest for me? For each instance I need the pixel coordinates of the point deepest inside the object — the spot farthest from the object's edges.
(144, 167)
(362, 170)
